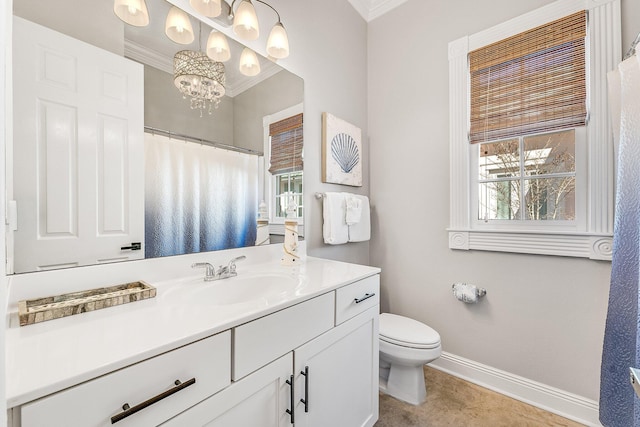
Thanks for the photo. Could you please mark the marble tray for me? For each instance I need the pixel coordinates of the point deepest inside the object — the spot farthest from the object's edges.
(55, 307)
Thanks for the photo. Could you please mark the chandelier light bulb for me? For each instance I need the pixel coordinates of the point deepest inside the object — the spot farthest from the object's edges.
(245, 21)
(210, 8)
(132, 12)
(218, 47)
(278, 42)
(249, 65)
(178, 26)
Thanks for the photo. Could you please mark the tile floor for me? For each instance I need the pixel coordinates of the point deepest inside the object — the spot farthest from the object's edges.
(458, 403)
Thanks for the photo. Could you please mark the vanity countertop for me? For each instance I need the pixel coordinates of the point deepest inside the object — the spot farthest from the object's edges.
(47, 357)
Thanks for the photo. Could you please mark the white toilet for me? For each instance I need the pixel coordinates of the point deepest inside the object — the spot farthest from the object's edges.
(406, 345)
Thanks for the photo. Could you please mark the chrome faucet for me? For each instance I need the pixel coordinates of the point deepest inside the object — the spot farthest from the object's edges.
(210, 272)
(223, 272)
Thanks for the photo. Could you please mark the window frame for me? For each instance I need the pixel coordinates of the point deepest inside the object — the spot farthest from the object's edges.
(591, 236)
(268, 189)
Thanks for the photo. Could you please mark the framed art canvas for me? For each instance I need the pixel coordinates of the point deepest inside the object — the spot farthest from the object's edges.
(341, 152)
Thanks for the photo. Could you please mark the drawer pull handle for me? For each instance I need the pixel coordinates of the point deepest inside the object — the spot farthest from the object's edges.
(306, 388)
(292, 399)
(130, 411)
(365, 297)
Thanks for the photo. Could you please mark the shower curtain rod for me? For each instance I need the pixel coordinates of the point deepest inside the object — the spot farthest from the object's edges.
(632, 50)
(156, 131)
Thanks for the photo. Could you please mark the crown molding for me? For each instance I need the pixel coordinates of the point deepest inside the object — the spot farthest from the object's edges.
(233, 88)
(372, 9)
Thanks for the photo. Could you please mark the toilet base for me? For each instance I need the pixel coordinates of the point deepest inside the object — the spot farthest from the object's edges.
(405, 383)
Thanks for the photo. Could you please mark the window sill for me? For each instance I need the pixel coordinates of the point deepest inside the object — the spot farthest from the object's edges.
(581, 245)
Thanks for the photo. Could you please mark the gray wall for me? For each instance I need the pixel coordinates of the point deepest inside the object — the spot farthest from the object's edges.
(543, 317)
(253, 104)
(165, 109)
(92, 21)
(329, 51)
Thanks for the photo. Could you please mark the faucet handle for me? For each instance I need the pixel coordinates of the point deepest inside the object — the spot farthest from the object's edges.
(232, 264)
(210, 271)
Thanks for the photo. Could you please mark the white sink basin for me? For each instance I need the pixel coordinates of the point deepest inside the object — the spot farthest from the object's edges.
(262, 289)
(267, 288)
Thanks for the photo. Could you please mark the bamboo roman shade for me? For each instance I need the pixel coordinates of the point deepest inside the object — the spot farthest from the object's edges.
(286, 145)
(531, 82)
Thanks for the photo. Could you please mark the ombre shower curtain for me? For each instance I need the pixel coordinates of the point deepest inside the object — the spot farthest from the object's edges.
(619, 407)
(197, 197)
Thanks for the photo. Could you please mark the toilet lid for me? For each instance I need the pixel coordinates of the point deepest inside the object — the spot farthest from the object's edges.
(407, 332)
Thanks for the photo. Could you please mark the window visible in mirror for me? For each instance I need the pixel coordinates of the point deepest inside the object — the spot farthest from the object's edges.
(283, 149)
(288, 188)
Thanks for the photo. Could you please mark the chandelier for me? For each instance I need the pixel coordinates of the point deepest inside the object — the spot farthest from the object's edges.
(198, 77)
(201, 76)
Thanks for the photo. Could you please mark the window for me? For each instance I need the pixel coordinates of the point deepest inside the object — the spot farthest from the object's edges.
(284, 174)
(531, 153)
(529, 178)
(288, 188)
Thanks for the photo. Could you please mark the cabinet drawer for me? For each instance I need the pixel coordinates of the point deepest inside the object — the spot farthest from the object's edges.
(257, 343)
(357, 297)
(94, 403)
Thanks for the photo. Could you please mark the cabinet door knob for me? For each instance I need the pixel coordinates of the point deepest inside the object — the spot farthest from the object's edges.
(139, 407)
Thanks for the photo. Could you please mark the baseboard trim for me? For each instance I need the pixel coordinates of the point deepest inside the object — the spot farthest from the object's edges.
(560, 402)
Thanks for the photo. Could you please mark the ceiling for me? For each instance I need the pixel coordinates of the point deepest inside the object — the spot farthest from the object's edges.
(152, 47)
(371, 9)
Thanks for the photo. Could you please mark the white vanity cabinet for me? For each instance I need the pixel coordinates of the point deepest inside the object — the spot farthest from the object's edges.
(333, 368)
(337, 375)
(312, 363)
(202, 368)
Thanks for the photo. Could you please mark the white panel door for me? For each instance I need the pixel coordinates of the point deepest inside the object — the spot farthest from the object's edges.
(78, 152)
(341, 383)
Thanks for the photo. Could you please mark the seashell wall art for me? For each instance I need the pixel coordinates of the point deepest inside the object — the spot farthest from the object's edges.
(341, 152)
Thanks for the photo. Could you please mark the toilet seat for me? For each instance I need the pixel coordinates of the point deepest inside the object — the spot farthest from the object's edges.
(405, 332)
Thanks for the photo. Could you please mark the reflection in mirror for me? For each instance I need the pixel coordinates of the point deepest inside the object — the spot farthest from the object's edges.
(111, 162)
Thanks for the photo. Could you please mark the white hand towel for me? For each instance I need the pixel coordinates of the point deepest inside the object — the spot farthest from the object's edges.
(334, 229)
(354, 209)
(361, 231)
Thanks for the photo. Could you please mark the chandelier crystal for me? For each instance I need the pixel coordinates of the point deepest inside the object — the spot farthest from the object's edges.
(199, 78)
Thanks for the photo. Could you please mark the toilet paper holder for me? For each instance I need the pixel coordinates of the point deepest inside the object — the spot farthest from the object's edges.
(467, 292)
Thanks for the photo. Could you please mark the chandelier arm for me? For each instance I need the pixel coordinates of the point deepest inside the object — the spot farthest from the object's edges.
(272, 8)
(231, 12)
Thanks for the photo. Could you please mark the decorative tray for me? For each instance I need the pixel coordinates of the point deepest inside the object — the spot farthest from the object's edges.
(55, 307)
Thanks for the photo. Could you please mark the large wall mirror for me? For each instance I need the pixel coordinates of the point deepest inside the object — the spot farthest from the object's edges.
(112, 160)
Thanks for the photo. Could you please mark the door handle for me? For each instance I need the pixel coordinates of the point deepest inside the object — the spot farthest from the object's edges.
(135, 246)
(365, 297)
(128, 410)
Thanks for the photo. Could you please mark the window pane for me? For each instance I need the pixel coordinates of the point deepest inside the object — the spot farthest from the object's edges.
(550, 153)
(499, 159)
(550, 198)
(288, 185)
(296, 182)
(499, 200)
